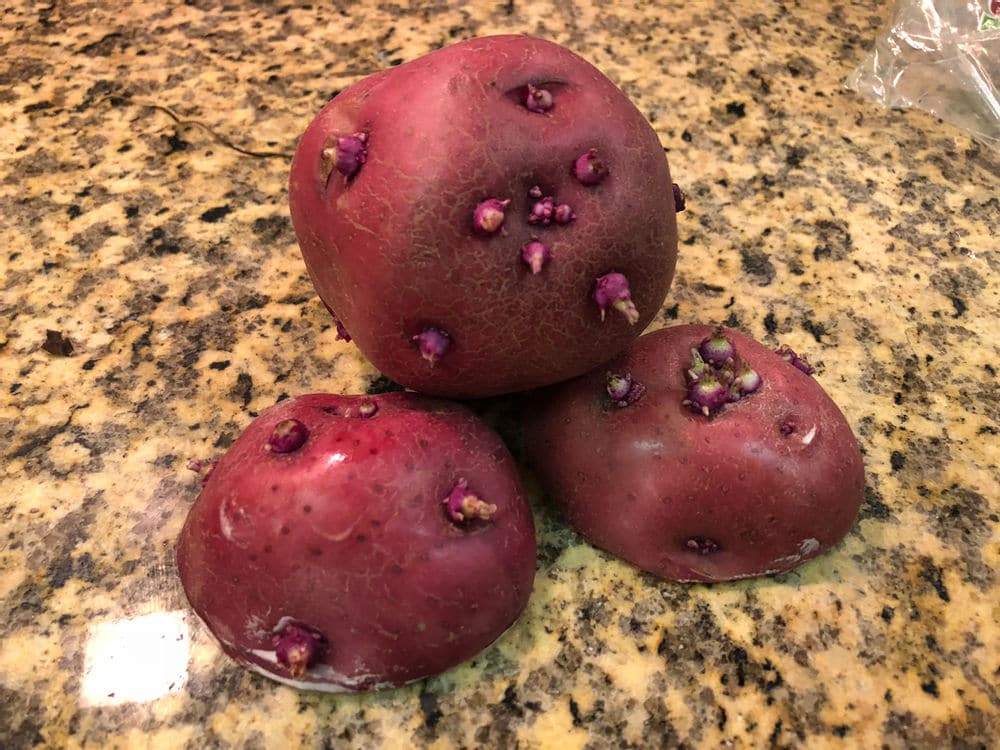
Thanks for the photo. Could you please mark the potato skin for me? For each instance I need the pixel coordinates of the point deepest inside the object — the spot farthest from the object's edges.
(643, 480)
(348, 535)
(393, 250)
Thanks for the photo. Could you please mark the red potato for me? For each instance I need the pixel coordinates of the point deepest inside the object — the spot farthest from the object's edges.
(700, 457)
(348, 543)
(491, 217)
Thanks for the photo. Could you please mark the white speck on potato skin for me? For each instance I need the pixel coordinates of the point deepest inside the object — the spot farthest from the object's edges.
(225, 523)
(229, 516)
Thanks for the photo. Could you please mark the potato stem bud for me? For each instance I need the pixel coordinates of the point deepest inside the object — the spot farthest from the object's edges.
(463, 505)
(543, 209)
(588, 169)
(298, 648)
(612, 290)
(346, 155)
(489, 215)
(707, 395)
(623, 389)
(702, 545)
(716, 349)
(800, 362)
(289, 435)
(433, 344)
(538, 100)
(535, 255)
(563, 214)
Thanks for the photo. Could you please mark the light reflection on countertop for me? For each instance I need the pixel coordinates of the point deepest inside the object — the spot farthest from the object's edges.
(135, 660)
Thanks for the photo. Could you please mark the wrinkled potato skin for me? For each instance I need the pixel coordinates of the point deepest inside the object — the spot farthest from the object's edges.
(393, 250)
(349, 535)
(640, 481)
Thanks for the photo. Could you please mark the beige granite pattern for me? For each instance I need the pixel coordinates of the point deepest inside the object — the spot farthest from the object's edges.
(143, 163)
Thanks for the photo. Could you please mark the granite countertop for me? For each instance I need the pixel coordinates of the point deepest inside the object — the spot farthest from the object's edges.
(153, 301)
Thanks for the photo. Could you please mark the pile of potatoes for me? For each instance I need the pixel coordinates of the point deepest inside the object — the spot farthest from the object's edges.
(497, 217)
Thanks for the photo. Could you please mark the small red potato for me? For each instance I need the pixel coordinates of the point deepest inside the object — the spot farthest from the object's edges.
(700, 455)
(491, 217)
(349, 543)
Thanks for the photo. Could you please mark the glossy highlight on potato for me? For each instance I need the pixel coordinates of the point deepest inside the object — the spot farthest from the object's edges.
(699, 455)
(351, 543)
(501, 192)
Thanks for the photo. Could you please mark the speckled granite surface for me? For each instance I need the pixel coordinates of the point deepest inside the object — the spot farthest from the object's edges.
(143, 164)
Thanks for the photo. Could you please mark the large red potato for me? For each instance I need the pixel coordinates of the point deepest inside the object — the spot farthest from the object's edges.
(697, 471)
(348, 543)
(490, 217)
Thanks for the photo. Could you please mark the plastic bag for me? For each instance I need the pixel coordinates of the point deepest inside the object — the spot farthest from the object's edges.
(942, 56)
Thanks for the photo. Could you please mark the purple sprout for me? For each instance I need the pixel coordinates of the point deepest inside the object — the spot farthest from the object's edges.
(463, 505)
(288, 435)
(347, 154)
(542, 209)
(612, 290)
(707, 395)
(726, 374)
(489, 215)
(366, 409)
(537, 99)
(342, 334)
(716, 349)
(680, 198)
(698, 369)
(702, 545)
(800, 362)
(623, 389)
(535, 255)
(563, 214)
(433, 344)
(618, 386)
(588, 169)
(745, 381)
(202, 468)
(298, 648)
(717, 377)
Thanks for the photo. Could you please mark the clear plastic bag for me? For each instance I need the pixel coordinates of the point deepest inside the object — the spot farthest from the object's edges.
(942, 56)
